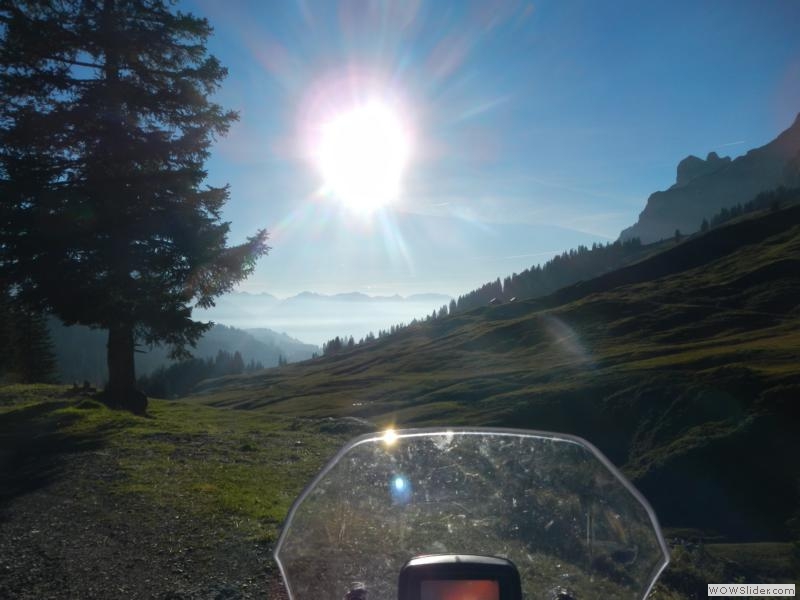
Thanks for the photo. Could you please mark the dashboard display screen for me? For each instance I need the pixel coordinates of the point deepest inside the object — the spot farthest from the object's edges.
(460, 589)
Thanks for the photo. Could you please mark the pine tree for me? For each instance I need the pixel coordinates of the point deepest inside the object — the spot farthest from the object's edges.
(34, 359)
(237, 363)
(105, 124)
(6, 336)
(26, 350)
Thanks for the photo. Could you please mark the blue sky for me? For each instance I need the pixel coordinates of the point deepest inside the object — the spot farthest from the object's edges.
(535, 126)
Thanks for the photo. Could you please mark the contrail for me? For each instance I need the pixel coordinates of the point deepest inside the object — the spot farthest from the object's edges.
(731, 144)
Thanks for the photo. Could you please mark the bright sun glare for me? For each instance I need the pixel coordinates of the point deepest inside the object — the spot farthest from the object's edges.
(362, 154)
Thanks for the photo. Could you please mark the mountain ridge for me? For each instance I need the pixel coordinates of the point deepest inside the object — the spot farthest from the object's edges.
(703, 187)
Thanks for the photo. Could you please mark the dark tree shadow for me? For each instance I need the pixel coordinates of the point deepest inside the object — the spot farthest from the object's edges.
(33, 447)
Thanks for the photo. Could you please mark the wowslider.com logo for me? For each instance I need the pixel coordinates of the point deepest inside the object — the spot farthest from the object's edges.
(750, 589)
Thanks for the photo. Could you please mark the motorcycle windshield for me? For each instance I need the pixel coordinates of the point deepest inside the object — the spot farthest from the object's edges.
(550, 503)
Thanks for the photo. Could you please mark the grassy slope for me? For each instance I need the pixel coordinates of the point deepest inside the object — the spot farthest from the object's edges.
(210, 463)
(682, 368)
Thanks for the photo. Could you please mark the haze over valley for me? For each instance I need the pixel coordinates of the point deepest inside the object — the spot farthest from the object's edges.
(317, 318)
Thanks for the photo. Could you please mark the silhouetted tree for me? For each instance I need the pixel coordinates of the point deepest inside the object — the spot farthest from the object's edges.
(332, 346)
(237, 363)
(792, 172)
(178, 379)
(704, 225)
(770, 200)
(256, 365)
(105, 124)
(6, 335)
(26, 350)
(35, 361)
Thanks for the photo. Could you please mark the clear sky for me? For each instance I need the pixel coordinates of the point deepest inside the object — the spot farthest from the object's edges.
(529, 127)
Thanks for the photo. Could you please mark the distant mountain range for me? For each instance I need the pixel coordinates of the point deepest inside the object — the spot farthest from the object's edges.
(317, 318)
(704, 187)
(266, 299)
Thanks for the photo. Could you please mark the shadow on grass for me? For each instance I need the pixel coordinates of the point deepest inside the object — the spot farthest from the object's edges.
(33, 446)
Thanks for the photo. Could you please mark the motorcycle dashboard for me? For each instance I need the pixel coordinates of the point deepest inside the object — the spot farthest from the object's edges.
(458, 577)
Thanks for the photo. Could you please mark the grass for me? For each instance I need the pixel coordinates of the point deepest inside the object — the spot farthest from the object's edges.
(694, 566)
(210, 463)
(775, 561)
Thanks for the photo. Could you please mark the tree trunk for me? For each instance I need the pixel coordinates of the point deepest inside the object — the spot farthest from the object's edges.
(121, 391)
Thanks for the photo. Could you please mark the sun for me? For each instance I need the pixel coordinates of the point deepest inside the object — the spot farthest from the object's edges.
(362, 154)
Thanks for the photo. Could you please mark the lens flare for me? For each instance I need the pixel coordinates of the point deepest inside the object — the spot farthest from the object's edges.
(400, 489)
(565, 339)
(389, 437)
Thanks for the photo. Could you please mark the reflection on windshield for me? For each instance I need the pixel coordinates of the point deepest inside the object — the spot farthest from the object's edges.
(551, 504)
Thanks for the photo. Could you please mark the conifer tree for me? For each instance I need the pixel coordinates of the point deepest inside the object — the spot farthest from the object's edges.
(105, 124)
(26, 349)
(31, 348)
(6, 336)
(237, 363)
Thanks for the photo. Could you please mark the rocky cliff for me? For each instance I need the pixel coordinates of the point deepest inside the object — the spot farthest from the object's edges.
(704, 187)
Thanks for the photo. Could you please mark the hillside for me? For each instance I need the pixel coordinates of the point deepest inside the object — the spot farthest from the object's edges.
(682, 368)
(81, 351)
(584, 263)
(703, 187)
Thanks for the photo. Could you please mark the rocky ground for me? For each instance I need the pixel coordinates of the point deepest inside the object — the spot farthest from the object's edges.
(75, 538)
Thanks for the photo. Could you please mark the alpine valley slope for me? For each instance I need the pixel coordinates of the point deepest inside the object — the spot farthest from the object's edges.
(683, 368)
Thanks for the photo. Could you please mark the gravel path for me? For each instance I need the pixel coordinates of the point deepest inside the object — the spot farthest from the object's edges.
(74, 538)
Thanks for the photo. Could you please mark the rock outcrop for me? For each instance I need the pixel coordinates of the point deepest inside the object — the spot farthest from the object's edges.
(691, 167)
(704, 187)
